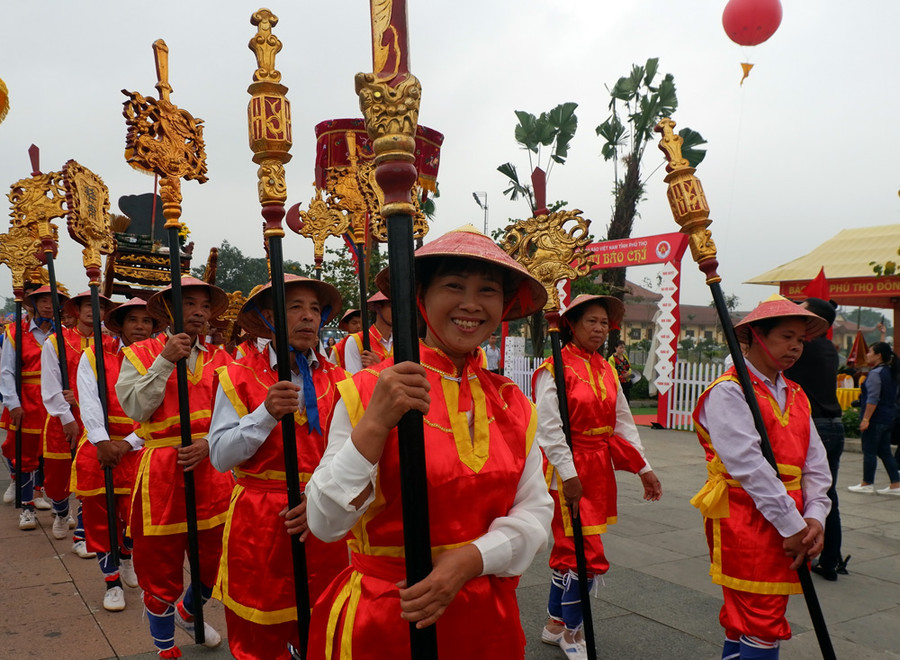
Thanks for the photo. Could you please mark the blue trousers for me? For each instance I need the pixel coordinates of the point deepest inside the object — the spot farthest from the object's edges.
(876, 443)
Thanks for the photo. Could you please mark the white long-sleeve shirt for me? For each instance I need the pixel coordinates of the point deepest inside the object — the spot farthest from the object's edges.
(726, 415)
(91, 409)
(52, 385)
(8, 367)
(352, 356)
(234, 439)
(508, 547)
(139, 395)
(550, 434)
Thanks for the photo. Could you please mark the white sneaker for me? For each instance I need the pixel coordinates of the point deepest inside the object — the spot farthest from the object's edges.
(126, 572)
(573, 645)
(859, 488)
(114, 600)
(9, 495)
(550, 637)
(80, 548)
(42, 503)
(211, 638)
(27, 519)
(889, 491)
(60, 527)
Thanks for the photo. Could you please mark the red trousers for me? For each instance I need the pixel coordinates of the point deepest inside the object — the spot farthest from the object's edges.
(256, 641)
(562, 556)
(57, 473)
(96, 527)
(754, 615)
(159, 560)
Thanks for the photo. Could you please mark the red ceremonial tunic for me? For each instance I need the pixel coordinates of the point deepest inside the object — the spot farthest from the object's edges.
(245, 348)
(256, 581)
(472, 481)
(160, 480)
(375, 344)
(55, 445)
(34, 417)
(745, 549)
(87, 475)
(591, 391)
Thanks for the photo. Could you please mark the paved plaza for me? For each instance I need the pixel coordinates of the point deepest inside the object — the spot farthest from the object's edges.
(656, 602)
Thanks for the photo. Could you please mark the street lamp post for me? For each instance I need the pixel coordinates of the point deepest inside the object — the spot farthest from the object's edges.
(484, 205)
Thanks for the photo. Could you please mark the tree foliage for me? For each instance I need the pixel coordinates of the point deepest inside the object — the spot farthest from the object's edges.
(338, 269)
(553, 129)
(638, 101)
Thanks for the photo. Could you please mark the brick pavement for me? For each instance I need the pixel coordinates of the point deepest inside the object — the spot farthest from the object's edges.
(657, 601)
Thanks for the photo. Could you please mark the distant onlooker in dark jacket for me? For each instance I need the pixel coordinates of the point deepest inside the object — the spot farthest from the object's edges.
(816, 373)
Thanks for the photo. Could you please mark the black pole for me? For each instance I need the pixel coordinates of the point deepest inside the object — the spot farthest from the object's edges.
(57, 322)
(363, 295)
(809, 591)
(100, 361)
(20, 337)
(410, 432)
(184, 411)
(577, 534)
(289, 441)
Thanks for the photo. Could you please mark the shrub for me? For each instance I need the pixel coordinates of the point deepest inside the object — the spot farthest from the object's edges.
(850, 418)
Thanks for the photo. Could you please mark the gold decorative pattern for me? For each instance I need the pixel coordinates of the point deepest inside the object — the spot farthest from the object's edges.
(269, 123)
(18, 250)
(87, 199)
(686, 199)
(320, 222)
(37, 199)
(549, 250)
(164, 139)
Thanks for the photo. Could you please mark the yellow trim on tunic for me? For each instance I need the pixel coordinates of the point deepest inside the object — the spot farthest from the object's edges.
(473, 450)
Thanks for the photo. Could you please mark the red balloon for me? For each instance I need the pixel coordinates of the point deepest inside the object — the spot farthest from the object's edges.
(751, 22)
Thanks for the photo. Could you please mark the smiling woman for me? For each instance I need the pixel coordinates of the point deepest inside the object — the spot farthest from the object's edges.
(488, 505)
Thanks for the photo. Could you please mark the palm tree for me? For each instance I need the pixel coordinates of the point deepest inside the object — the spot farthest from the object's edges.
(636, 106)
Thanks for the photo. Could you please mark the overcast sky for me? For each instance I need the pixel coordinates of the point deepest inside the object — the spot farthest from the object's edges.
(805, 148)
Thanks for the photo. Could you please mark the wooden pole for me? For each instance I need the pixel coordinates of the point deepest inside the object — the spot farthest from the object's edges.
(389, 99)
(270, 139)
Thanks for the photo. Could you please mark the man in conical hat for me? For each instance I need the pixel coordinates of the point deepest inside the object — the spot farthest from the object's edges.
(117, 448)
(64, 427)
(760, 526)
(381, 339)
(246, 437)
(148, 391)
(27, 413)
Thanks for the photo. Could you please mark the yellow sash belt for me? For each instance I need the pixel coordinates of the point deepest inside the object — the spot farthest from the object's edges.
(712, 499)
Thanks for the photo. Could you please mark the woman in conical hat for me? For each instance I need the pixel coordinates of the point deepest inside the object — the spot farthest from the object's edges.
(489, 509)
(604, 438)
(761, 525)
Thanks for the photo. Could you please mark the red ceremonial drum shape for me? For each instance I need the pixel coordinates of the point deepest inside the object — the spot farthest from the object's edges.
(334, 135)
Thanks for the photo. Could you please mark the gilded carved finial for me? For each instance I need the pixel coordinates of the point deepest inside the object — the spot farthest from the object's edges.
(687, 201)
(87, 198)
(269, 122)
(265, 46)
(164, 139)
(549, 250)
(18, 250)
(36, 201)
(321, 221)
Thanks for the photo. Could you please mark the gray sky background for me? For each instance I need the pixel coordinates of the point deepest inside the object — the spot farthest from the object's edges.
(805, 148)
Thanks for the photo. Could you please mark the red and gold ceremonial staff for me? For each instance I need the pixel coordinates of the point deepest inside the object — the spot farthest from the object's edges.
(87, 200)
(691, 212)
(553, 253)
(389, 100)
(36, 201)
(269, 116)
(165, 139)
(18, 250)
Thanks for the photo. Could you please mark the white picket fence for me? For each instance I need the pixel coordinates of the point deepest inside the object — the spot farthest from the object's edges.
(691, 378)
(520, 369)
